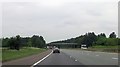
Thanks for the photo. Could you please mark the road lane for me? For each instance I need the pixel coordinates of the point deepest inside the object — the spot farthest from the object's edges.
(59, 59)
(69, 57)
(93, 58)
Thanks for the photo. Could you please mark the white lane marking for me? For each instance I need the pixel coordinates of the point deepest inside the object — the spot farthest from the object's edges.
(114, 58)
(97, 55)
(41, 59)
(75, 60)
(106, 52)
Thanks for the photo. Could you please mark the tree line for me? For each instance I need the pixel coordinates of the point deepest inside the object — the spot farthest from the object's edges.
(19, 42)
(91, 39)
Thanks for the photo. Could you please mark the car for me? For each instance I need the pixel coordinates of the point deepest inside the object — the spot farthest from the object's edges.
(56, 50)
(83, 46)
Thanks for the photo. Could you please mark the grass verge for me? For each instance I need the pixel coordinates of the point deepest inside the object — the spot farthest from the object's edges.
(111, 49)
(8, 55)
(104, 48)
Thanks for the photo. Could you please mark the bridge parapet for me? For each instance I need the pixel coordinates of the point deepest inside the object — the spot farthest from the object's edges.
(67, 45)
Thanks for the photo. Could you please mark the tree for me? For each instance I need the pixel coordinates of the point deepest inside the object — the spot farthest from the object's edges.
(17, 45)
(5, 42)
(29, 43)
(0, 42)
(24, 41)
(89, 39)
(101, 41)
(102, 35)
(112, 35)
(38, 41)
(35, 40)
(42, 42)
(118, 41)
(14, 43)
(18, 42)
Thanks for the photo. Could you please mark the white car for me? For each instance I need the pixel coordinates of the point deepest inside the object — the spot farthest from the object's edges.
(83, 46)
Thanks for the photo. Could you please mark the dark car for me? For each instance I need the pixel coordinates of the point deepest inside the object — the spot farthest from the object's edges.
(56, 50)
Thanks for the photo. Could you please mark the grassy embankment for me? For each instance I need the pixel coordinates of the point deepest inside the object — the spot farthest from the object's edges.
(14, 54)
(113, 49)
(105, 48)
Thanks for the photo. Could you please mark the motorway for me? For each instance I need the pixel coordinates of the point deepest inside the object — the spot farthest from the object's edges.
(67, 57)
(93, 58)
(59, 59)
(78, 57)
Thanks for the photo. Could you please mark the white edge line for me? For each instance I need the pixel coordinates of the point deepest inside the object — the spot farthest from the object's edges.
(41, 59)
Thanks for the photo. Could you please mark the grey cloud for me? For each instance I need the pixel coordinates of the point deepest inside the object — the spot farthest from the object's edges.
(62, 21)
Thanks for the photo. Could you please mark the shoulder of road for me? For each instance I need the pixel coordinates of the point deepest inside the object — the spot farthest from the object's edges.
(30, 60)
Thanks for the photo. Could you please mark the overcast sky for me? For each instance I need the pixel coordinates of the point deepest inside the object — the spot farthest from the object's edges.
(59, 19)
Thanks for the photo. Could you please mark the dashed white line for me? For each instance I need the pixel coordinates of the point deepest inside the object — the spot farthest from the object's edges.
(41, 59)
(114, 58)
(75, 60)
(106, 52)
(97, 55)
